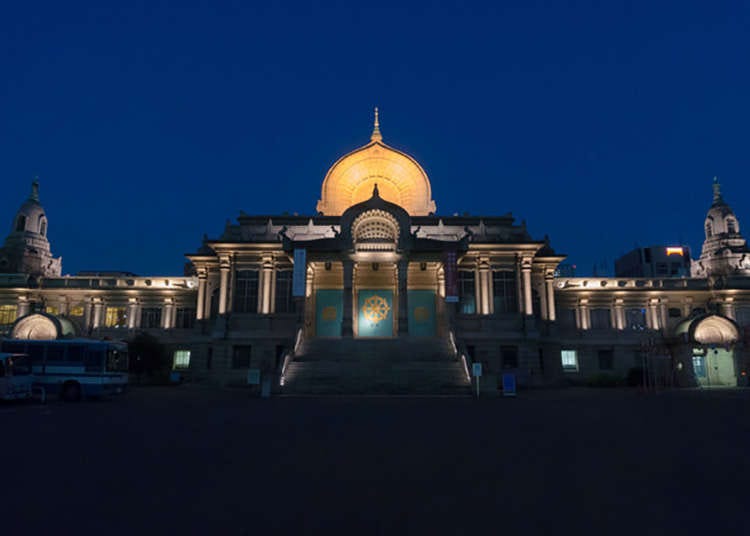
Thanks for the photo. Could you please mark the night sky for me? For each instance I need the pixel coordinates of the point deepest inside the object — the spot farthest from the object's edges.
(151, 123)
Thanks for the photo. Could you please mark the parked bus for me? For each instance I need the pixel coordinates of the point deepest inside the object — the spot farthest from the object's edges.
(15, 377)
(75, 368)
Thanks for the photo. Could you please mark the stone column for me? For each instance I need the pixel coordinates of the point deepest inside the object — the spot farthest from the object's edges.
(528, 307)
(549, 287)
(133, 313)
(200, 307)
(346, 321)
(87, 314)
(266, 279)
(23, 307)
(652, 316)
(484, 303)
(224, 267)
(441, 282)
(727, 308)
(403, 297)
(583, 314)
(619, 314)
(167, 315)
(98, 309)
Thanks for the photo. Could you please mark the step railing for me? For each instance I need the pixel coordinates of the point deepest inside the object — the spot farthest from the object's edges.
(459, 350)
(289, 356)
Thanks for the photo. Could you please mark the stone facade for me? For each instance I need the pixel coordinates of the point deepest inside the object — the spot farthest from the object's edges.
(385, 266)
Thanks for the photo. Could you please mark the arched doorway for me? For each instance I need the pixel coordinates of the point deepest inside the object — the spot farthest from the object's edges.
(706, 355)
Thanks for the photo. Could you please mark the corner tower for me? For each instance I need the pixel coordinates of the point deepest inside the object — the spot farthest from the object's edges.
(725, 250)
(26, 249)
(400, 179)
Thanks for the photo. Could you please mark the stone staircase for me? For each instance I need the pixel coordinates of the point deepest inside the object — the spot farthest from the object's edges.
(418, 366)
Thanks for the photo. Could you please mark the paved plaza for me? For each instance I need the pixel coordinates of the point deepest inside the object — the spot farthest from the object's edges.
(189, 460)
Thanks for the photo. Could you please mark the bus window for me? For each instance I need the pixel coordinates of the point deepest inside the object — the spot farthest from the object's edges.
(14, 347)
(117, 361)
(36, 353)
(2, 368)
(94, 358)
(19, 365)
(55, 354)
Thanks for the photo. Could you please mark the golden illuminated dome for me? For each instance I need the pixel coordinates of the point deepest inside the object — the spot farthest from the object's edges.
(400, 179)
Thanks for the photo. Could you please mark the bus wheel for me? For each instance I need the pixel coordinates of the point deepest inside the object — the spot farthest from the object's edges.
(71, 392)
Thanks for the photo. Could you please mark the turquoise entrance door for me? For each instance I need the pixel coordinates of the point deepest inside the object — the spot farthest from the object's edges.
(329, 309)
(375, 313)
(422, 313)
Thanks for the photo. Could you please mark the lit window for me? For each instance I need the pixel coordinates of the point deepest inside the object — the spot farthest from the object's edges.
(7, 314)
(181, 359)
(52, 310)
(569, 359)
(115, 317)
(76, 310)
(467, 299)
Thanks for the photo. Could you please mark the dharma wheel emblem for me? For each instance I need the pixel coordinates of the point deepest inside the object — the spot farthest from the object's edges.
(375, 309)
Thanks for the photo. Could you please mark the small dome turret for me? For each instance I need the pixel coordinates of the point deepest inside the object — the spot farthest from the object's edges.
(26, 249)
(725, 251)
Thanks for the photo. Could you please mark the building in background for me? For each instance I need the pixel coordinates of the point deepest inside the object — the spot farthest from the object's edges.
(376, 292)
(654, 261)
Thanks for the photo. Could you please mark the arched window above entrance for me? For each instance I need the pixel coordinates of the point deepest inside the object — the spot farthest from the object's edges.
(375, 230)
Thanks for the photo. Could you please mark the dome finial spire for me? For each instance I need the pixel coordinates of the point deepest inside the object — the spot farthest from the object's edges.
(35, 189)
(717, 191)
(376, 135)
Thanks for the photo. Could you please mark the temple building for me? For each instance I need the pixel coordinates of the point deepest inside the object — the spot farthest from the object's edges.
(376, 292)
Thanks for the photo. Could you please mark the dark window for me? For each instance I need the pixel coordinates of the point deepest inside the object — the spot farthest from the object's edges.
(661, 268)
(647, 255)
(606, 359)
(731, 226)
(284, 292)
(21, 223)
(246, 291)
(184, 317)
(600, 319)
(209, 358)
(467, 303)
(674, 312)
(636, 319)
(504, 291)
(510, 356)
(151, 317)
(241, 356)
(709, 232)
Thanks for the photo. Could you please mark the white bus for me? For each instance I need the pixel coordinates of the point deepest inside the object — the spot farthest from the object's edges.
(15, 377)
(75, 368)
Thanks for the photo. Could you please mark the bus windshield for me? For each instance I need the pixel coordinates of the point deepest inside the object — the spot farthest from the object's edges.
(117, 360)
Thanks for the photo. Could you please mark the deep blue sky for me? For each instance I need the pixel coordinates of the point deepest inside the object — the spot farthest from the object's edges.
(151, 123)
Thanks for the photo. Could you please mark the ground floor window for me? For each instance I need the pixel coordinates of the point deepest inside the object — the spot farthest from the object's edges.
(606, 359)
(509, 355)
(181, 359)
(115, 317)
(241, 356)
(569, 360)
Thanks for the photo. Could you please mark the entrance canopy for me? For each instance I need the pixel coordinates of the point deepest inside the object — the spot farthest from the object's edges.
(709, 329)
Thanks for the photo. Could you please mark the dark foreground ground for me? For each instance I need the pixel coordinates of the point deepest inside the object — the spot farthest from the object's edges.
(191, 461)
